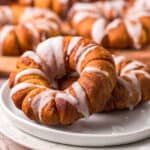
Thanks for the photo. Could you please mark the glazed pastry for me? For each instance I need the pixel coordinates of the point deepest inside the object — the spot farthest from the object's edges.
(26, 28)
(130, 32)
(106, 9)
(60, 7)
(34, 84)
(133, 84)
(6, 15)
(139, 6)
(15, 14)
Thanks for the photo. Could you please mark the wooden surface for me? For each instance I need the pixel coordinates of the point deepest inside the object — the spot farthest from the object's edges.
(7, 64)
(142, 55)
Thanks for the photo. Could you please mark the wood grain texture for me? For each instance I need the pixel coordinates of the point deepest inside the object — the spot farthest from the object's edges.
(7, 64)
(142, 55)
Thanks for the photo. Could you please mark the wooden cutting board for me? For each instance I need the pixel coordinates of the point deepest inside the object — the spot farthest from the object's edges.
(7, 64)
(142, 55)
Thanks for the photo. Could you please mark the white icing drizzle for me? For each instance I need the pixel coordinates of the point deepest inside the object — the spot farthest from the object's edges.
(146, 74)
(7, 13)
(134, 30)
(28, 1)
(114, 24)
(3, 35)
(143, 13)
(115, 6)
(130, 72)
(132, 75)
(40, 101)
(118, 59)
(51, 52)
(84, 7)
(73, 42)
(2, 21)
(80, 50)
(82, 105)
(52, 24)
(140, 5)
(79, 102)
(33, 30)
(29, 72)
(42, 24)
(22, 86)
(82, 56)
(80, 16)
(64, 1)
(66, 96)
(126, 84)
(131, 66)
(33, 56)
(137, 15)
(95, 69)
(46, 24)
(98, 30)
(30, 13)
(136, 84)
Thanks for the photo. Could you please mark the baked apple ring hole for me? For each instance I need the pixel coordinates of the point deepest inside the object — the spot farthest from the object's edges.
(67, 80)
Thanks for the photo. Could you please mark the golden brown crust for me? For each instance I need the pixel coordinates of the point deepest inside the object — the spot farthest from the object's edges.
(121, 98)
(132, 85)
(58, 6)
(96, 77)
(29, 26)
(61, 107)
(105, 28)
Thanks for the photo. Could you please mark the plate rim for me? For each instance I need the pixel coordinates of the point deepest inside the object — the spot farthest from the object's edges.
(64, 133)
(18, 140)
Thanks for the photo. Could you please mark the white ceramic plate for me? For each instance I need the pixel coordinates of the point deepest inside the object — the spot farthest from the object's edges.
(103, 129)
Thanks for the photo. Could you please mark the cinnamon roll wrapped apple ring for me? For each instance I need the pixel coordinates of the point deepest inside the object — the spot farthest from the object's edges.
(61, 7)
(127, 32)
(35, 88)
(26, 28)
(133, 84)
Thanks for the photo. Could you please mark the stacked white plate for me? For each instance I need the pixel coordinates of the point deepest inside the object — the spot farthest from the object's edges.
(104, 129)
